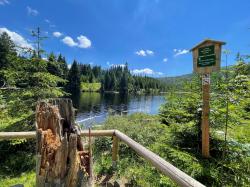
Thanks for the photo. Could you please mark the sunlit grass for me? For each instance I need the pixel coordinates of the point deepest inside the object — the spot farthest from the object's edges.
(28, 179)
(240, 132)
(90, 87)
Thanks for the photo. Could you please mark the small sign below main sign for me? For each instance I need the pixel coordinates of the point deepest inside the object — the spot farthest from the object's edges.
(207, 56)
(205, 79)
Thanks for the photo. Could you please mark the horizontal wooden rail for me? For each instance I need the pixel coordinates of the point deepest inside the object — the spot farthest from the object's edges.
(165, 167)
(17, 135)
(32, 134)
(98, 133)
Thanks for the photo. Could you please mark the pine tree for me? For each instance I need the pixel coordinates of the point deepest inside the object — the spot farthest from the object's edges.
(53, 66)
(74, 82)
(124, 83)
(107, 81)
(7, 48)
(63, 66)
(91, 78)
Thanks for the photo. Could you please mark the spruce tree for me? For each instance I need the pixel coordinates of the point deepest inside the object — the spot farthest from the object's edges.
(74, 82)
(7, 48)
(63, 66)
(53, 66)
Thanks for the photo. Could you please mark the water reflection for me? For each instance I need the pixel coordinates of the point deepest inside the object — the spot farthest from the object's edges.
(95, 107)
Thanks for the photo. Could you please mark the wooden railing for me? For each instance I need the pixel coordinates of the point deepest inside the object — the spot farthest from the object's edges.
(178, 176)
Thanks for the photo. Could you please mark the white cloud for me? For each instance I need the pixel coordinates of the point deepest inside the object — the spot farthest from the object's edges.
(47, 21)
(165, 59)
(4, 2)
(180, 52)
(31, 11)
(144, 52)
(69, 66)
(17, 38)
(115, 65)
(83, 42)
(141, 53)
(69, 41)
(146, 71)
(149, 52)
(57, 34)
(143, 71)
(45, 58)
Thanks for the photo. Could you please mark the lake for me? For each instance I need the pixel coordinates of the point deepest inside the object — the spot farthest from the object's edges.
(94, 108)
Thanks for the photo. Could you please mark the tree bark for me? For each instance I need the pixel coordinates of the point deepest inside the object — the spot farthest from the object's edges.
(61, 159)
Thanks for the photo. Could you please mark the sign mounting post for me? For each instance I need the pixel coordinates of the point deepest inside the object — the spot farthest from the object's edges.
(206, 59)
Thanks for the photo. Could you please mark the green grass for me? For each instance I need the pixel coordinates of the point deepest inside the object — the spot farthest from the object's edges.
(90, 87)
(28, 179)
(17, 162)
(171, 143)
(17, 157)
(241, 132)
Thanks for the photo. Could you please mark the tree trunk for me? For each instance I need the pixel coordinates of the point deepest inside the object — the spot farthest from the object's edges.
(61, 160)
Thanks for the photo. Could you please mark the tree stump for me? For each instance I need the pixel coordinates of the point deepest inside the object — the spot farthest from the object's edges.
(61, 160)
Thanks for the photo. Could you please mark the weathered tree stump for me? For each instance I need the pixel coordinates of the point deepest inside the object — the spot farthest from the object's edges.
(61, 160)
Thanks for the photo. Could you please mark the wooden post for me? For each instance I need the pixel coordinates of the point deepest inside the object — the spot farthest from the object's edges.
(206, 59)
(205, 115)
(115, 151)
(61, 160)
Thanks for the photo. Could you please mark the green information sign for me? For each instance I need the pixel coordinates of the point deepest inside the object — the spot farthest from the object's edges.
(206, 56)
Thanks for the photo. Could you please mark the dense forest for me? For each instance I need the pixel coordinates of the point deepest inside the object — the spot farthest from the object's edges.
(117, 78)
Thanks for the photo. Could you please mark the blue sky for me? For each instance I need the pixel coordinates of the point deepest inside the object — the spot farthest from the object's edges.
(153, 36)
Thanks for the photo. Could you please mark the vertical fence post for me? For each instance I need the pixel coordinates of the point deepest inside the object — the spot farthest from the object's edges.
(115, 151)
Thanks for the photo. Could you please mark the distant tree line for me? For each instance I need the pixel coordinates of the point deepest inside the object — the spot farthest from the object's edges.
(116, 78)
(119, 78)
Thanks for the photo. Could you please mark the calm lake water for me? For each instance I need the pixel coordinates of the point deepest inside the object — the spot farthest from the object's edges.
(94, 108)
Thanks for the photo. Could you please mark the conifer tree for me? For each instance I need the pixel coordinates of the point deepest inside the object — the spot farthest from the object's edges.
(63, 66)
(7, 48)
(74, 82)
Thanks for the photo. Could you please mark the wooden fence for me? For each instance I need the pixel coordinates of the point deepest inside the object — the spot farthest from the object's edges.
(178, 176)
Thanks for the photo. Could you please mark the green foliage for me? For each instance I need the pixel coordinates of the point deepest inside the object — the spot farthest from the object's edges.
(118, 78)
(74, 82)
(17, 162)
(28, 179)
(90, 87)
(7, 47)
(23, 80)
(230, 89)
(179, 141)
(170, 143)
(142, 128)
